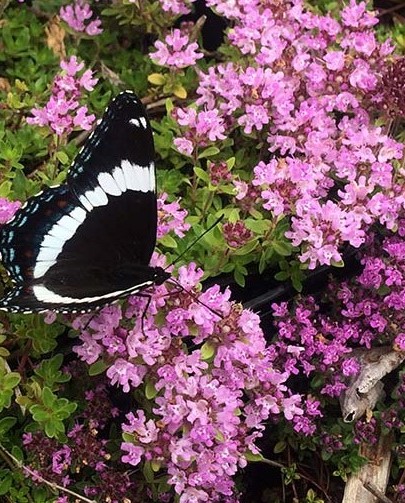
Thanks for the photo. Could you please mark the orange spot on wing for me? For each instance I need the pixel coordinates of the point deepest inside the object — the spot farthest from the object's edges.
(62, 203)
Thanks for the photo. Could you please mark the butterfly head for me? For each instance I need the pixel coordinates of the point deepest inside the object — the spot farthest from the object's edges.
(160, 276)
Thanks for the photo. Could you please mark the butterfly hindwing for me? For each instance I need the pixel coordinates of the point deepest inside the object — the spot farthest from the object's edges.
(89, 242)
(29, 242)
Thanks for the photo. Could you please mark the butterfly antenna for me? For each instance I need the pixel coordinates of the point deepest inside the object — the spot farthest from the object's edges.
(194, 242)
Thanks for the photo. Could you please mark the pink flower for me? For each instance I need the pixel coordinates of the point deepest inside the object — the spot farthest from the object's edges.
(194, 394)
(77, 16)
(355, 15)
(200, 127)
(87, 81)
(171, 218)
(256, 117)
(89, 351)
(7, 209)
(134, 453)
(184, 146)
(175, 6)
(126, 374)
(176, 51)
(399, 341)
(71, 67)
(82, 120)
(63, 113)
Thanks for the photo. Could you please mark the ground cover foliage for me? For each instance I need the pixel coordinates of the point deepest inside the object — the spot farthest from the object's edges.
(286, 118)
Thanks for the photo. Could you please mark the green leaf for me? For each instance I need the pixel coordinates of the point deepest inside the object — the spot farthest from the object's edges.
(6, 424)
(201, 174)
(150, 390)
(97, 368)
(155, 465)
(257, 226)
(168, 241)
(38, 413)
(249, 456)
(169, 106)
(6, 481)
(157, 79)
(283, 248)
(282, 276)
(280, 447)
(180, 91)
(5, 188)
(49, 371)
(62, 157)
(48, 398)
(239, 278)
(297, 282)
(231, 162)
(207, 351)
(228, 189)
(10, 381)
(317, 381)
(209, 152)
(148, 472)
(127, 437)
(246, 249)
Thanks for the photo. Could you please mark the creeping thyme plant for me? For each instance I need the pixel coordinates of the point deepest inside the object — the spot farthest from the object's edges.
(290, 129)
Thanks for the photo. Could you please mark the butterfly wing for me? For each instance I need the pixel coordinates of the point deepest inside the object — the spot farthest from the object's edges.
(89, 242)
(115, 170)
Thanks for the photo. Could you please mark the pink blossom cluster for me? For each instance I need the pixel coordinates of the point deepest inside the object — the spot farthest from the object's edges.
(176, 6)
(203, 363)
(236, 234)
(63, 112)
(176, 51)
(309, 86)
(7, 209)
(202, 128)
(368, 311)
(171, 218)
(77, 16)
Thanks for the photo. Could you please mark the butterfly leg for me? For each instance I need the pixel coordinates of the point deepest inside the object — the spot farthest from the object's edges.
(145, 310)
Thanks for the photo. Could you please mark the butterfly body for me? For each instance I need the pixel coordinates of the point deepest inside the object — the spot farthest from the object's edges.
(88, 242)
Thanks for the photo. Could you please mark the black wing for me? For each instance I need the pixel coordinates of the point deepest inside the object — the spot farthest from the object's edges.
(89, 242)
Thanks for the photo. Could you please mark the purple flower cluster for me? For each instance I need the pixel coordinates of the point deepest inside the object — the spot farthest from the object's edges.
(308, 86)
(368, 312)
(203, 363)
(7, 209)
(171, 218)
(201, 129)
(63, 112)
(176, 51)
(77, 16)
(219, 173)
(366, 431)
(236, 234)
(175, 6)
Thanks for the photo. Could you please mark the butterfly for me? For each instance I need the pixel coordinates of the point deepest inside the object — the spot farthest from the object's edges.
(88, 242)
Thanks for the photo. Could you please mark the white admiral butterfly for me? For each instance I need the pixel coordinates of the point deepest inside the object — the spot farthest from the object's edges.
(87, 243)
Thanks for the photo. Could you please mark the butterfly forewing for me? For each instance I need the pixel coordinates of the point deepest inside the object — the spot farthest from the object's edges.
(120, 150)
(89, 242)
